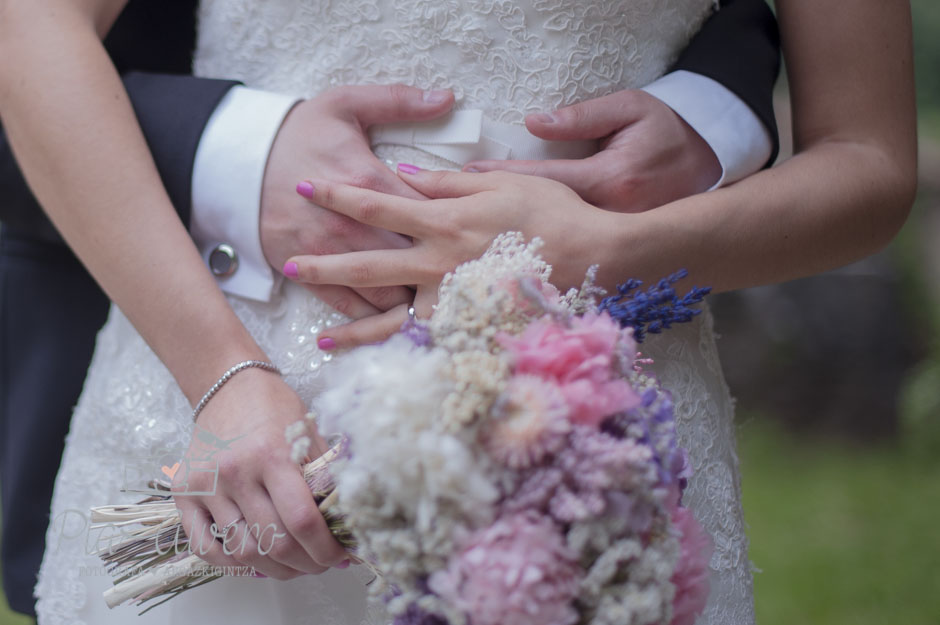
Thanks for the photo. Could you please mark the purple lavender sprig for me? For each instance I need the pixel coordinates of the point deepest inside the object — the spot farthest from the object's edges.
(655, 309)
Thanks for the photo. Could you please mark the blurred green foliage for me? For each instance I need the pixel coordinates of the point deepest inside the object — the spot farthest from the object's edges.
(920, 402)
(841, 535)
(926, 14)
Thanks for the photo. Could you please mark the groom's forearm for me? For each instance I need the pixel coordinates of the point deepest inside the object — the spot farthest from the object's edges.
(172, 110)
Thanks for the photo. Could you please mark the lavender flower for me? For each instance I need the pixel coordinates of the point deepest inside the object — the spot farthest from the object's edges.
(656, 308)
(580, 482)
(652, 423)
(417, 332)
(414, 615)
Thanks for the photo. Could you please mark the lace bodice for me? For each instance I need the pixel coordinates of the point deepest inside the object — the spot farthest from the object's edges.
(509, 58)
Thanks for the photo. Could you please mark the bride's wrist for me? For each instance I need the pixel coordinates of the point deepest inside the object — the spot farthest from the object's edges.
(619, 248)
(603, 238)
(216, 348)
(226, 377)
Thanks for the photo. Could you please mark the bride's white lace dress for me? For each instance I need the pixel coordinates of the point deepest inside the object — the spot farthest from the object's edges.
(505, 58)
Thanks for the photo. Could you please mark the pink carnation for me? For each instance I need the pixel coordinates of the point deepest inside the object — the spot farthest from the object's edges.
(691, 575)
(516, 572)
(581, 360)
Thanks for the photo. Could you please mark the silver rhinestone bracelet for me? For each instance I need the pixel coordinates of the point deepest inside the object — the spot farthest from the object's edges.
(248, 364)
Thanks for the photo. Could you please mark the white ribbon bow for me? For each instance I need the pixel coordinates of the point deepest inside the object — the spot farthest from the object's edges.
(468, 135)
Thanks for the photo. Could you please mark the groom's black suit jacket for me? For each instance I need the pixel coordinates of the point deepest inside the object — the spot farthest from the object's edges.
(51, 309)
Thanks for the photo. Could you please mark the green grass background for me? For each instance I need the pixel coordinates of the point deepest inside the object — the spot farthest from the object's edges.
(842, 535)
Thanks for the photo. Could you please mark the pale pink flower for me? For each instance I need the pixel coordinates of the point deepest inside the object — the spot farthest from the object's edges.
(530, 422)
(581, 359)
(516, 572)
(531, 296)
(691, 575)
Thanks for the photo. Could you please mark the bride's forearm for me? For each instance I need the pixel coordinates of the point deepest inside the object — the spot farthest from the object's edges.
(78, 143)
(820, 210)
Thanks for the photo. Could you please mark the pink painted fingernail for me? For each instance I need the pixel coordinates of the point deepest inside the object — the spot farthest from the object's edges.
(471, 170)
(305, 189)
(259, 575)
(343, 565)
(405, 168)
(544, 118)
(290, 270)
(326, 344)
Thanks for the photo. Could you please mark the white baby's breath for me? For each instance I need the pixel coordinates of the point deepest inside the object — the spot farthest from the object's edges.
(470, 311)
(387, 400)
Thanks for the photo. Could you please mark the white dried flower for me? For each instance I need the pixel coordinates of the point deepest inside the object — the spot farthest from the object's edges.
(387, 399)
(479, 378)
(300, 449)
(294, 431)
(476, 302)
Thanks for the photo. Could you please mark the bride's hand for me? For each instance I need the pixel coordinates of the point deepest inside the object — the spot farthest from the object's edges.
(467, 212)
(261, 505)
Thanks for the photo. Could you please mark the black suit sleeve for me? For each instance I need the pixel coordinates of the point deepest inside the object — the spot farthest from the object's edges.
(739, 47)
(172, 111)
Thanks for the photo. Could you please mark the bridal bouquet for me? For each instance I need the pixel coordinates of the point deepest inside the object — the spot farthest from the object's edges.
(508, 462)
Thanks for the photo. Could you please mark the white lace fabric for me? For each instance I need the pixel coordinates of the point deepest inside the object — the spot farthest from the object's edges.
(506, 58)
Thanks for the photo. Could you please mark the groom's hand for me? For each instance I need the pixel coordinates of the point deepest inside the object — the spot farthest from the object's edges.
(649, 155)
(326, 137)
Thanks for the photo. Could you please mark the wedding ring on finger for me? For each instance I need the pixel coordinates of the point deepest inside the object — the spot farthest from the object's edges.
(224, 531)
(411, 314)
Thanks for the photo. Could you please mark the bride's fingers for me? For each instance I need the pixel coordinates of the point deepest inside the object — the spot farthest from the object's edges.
(343, 300)
(578, 174)
(378, 328)
(365, 302)
(198, 525)
(234, 538)
(387, 297)
(372, 208)
(301, 518)
(274, 541)
(447, 184)
(365, 331)
(373, 268)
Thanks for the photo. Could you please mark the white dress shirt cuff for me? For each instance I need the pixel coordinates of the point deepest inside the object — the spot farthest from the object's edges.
(729, 126)
(226, 193)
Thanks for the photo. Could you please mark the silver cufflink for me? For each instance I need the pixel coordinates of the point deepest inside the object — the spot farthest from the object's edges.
(223, 261)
